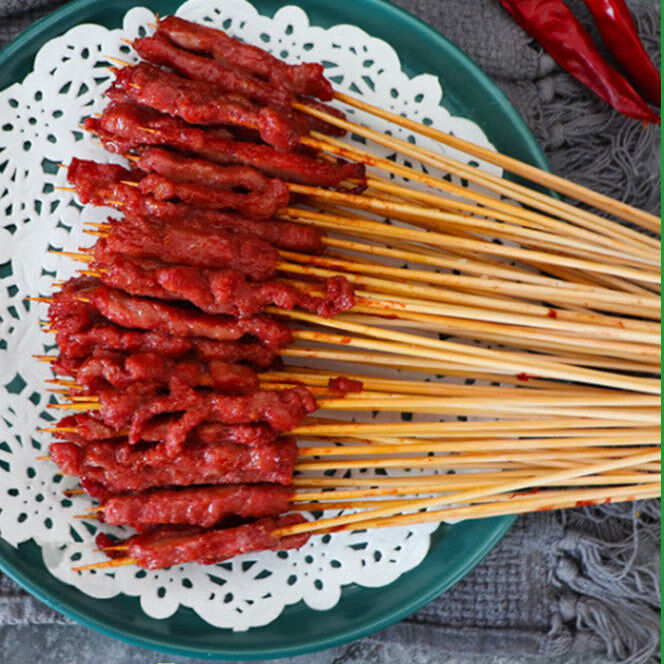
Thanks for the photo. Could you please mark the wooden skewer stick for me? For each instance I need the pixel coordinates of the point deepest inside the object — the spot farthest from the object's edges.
(409, 344)
(473, 494)
(516, 504)
(584, 296)
(440, 407)
(441, 221)
(456, 429)
(538, 502)
(381, 230)
(339, 148)
(530, 220)
(516, 166)
(483, 445)
(494, 183)
(494, 309)
(437, 219)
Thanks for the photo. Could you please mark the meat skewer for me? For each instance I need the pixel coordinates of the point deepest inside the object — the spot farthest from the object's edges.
(140, 402)
(166, 547)
(160, 51)
(123, 127)
(190, 243)
(177, 166)
(67, 313)
(303, 79)
(110, 184)
(108, 469)
(102, 337)
(199, 506)
(83, 428)
(122, 370)
(213, 291)
(258, 205)
(202, 103)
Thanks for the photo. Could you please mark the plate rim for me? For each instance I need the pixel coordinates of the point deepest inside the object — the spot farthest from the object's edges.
(499, 525)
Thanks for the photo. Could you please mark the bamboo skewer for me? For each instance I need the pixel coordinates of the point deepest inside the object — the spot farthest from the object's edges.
(520, 505)
(519, 312)
(381, 230)
(564, 291)
(597, 273)
(516, 504)
(473, 494)
(491, 182)
(515, 166)
(443, 405)
(436, 219)
(448, 429)
(530, 220)
(409, 344)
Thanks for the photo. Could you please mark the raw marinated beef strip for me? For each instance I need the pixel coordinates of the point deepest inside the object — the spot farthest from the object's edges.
(200, 506)
(256, 205)
(191, 243)
(176, 166)
(209, 464)
(74, 348)
(168, 546)
(302, 79)
(122, 127)
(159, 50)
(214, 291)
(88, 429)
(203, 103)
(144, 313)
(122, 370)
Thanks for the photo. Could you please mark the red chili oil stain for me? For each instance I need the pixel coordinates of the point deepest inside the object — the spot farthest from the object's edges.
(621, 324)
(552, 313)
(525, 493)
(585, 503)
(523, 376)
(345, 340)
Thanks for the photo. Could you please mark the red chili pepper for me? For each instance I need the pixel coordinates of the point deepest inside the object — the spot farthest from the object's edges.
(554, 26)
(619, 33)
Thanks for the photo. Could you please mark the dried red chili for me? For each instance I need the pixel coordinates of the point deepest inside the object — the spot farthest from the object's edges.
(619, 33)
(556, 28)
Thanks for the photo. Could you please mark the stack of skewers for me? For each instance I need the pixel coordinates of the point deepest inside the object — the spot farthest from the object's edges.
(248, 254)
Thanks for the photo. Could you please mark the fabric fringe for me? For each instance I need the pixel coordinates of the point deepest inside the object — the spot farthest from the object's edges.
(609, 574)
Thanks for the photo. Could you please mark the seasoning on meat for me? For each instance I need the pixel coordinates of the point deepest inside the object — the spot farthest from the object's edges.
(199, 506)
(121, 128)
(168, 546)
(223, 291)
(196, 464)
(202, 103)
(302, 79)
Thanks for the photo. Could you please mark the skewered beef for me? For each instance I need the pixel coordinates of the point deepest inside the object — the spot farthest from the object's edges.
(202, 103)
(120, 371)
(159, 50)
(202, 464)
(200, 506)
(302, 79)
(169, 546)
(122, 127)
(214, 291)
(89, 428)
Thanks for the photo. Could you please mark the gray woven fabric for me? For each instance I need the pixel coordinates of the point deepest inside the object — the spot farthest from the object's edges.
(581, 585)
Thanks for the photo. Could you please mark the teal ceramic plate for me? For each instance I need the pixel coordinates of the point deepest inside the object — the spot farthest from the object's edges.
(455, 549)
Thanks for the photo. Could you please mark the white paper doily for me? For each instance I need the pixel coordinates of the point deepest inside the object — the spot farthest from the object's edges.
(39, 120)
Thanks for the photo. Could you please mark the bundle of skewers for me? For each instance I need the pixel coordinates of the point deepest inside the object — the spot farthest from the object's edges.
(250, 252)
